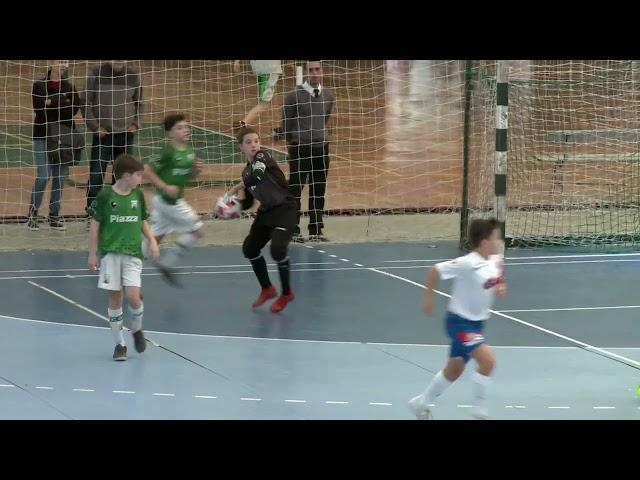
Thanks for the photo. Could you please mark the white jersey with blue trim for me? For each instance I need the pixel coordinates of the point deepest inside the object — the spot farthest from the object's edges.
(475, 279)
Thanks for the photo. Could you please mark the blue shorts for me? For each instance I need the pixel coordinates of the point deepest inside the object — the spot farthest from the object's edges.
(466, 335)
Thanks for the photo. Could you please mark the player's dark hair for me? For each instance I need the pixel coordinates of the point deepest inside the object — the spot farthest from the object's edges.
(481, 229)
(171, 120)
(243, 132)
(126, 163)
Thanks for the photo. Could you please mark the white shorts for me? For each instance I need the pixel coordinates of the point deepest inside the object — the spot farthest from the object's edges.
(118, 270)
(167, 218)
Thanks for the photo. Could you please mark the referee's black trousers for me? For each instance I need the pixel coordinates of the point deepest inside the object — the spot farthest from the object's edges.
(309, 163)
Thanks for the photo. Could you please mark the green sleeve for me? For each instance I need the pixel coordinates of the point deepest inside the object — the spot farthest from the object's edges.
(143, 203)
(96, 209)
(157, 163)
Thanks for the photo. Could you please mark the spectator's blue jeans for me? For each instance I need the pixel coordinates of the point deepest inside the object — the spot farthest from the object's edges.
(44, 171)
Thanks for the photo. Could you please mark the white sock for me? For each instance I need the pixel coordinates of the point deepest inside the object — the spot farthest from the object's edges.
(137, 314)
(115, 321)
(184, 243)
(480, 385)
(436, 388)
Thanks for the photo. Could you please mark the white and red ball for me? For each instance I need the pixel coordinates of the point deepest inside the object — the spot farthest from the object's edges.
(227, 208)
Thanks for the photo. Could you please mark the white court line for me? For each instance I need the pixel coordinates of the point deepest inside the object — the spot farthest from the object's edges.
(183, 267)
(584, 345)
(157, 274)
(464, 406)
(558, 408)
(331, 402)
(44, 388)
(251, 399)
(164, 394)
(7, 386)
(211, 397)
(297, 340)
(344, 260)
(123, 391)
(587, 255)
(573, 309)
(358, 265)
(380, 403)
(332, 269)
(321, 251)
(83, 390)
(296, 401)
(82, 307)
(604, 408)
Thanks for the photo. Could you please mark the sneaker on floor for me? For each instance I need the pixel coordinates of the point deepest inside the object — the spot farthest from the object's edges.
(120, 353)
(32, 223)
(56, 223)
(282, 302)
(139, 341)
(266, 294)
(420, 409)
(297, 238)
(479, 414)
(318, 237)
(169, 275)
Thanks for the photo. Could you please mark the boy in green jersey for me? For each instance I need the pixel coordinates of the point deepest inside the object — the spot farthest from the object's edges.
(118, 221)
(170, 173)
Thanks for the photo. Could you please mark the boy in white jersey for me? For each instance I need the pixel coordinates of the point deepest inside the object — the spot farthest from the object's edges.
(477, 276)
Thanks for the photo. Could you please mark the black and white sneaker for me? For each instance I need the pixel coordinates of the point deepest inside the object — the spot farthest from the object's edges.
(318, 237)
(139, 341)
(32, 223)
(120, 353)
(298, 238)
(56, 223)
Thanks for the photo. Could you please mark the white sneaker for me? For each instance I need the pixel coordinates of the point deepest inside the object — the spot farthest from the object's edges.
(420, 409)
(479, 414)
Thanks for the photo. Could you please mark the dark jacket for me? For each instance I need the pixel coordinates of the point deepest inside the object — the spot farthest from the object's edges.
(52, 105)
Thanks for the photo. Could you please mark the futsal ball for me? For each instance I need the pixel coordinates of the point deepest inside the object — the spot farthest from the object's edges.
(227, 208)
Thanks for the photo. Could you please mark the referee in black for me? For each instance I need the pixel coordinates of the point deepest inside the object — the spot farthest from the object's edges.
(305, 115)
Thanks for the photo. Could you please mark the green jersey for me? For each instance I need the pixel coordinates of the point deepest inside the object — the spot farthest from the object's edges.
(174, 167)
(120, 218)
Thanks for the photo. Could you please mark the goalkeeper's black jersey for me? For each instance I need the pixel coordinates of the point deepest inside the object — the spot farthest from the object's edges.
(265, 182)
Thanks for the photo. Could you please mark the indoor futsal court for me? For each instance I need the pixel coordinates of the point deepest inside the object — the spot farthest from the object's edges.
(357, 347)
(413, 161)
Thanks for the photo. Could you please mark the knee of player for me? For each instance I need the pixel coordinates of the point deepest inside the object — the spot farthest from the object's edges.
(199, 233)
(454, 369)
(278, 252)
(134, 299)
(488, 365)
(249, 250)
